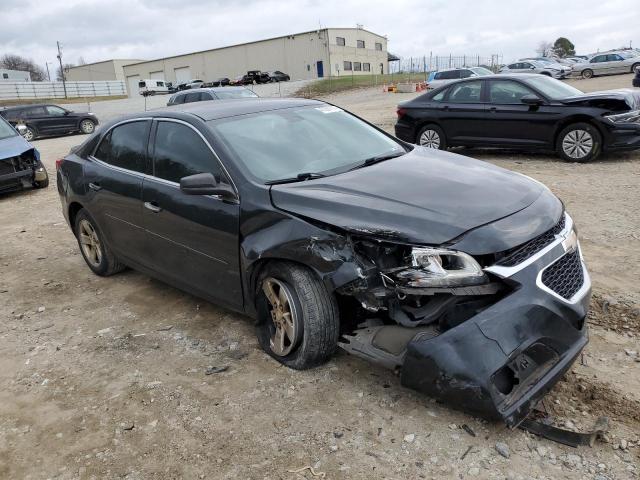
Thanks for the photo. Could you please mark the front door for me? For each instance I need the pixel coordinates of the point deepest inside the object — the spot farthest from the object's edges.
(113, 187)
(320, 68)
(511, 122)
(60, 120)
(463, 113)
(193, 239)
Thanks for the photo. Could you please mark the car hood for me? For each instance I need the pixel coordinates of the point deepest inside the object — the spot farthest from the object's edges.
(13, 146)
(621, 99)
(424, 197)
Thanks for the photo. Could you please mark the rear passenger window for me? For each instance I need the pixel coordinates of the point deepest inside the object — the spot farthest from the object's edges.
(178, 99)
(125, 146)
(467, 92)
(192, 97)
(180, 152)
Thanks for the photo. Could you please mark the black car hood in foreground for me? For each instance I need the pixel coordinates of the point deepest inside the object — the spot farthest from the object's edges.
(424, 197)
(615, 100)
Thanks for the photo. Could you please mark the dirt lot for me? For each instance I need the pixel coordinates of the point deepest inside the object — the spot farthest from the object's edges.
(106, 377)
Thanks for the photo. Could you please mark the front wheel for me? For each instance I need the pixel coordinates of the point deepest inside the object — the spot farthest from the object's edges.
(298, 319)
(432, 136)
(87, 126)
(635, 68)
(580, 142)
(588, 73)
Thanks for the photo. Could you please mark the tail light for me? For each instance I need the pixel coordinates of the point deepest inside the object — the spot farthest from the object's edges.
(401, 112)
(59, 163)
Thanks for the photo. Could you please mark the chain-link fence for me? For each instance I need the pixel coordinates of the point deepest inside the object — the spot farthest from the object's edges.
(432, 63)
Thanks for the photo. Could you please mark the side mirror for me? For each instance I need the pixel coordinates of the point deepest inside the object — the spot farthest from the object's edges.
(531, 100)
(532, 67)
(206, 184)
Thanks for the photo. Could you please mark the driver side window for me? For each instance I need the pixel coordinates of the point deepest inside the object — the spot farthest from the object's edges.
(507, 92)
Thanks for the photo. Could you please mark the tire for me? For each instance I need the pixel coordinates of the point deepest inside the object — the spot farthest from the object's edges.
(579, 142)
(588, 73)
(313, 314)
(30, 134)
(87, 126)
(635, 68)
(105, 263)
(42, 183)
(432, 136)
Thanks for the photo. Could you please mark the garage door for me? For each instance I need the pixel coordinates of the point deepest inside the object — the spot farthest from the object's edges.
(157, 75)
(132, 85)
(183, 74)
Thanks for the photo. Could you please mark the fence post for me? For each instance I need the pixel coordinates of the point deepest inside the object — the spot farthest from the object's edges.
(449, 60)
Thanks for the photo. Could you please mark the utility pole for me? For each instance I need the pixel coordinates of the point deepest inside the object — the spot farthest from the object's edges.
(48, 74)
(64, 85)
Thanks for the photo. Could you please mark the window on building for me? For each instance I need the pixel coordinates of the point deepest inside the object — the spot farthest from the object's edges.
(366, 67)
(378, 46)
(360, 44)
(357, 66)
(5, 75)
(340, 41)
(347, 66)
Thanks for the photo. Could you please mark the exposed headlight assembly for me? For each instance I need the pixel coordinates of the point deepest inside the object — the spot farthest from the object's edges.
(439, 267)
(627, 117)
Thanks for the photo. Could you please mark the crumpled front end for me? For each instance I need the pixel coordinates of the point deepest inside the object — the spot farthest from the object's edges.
(491, 346)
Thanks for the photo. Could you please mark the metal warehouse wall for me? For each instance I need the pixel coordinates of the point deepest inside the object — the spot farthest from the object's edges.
(107, 70)
(377, 59)
(296, 55)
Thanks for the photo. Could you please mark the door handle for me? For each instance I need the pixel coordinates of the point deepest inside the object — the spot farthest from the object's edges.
(153, 206)
(95, 186)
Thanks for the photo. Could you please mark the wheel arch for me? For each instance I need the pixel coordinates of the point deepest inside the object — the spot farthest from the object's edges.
(73, 209)
(579, 118)
(423, 123)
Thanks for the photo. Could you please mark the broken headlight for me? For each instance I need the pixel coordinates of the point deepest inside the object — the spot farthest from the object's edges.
(439, 267)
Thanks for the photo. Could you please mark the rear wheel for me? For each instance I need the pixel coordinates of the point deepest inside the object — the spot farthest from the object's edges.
(298, 320)
(29, 134)
(588, 73)
(580, 142)
(432, 136)
(87, 126)
(95, 251)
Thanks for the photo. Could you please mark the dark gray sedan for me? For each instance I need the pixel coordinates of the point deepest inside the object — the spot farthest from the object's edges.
(214, 93)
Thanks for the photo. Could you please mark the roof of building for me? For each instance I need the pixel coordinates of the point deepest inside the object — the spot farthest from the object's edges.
(132, 60)
(256, 41)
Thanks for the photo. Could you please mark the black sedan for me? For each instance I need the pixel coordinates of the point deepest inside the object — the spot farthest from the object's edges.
(278, 76)
(524, 112)
(465, 277)
(44, 119)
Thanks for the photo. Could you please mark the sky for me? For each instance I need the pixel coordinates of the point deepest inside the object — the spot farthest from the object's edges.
(145, 29)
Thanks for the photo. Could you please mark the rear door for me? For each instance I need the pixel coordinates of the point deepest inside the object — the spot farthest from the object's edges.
(511, 122)
(462, 113)
(113, 185)
(193, 239)
(37, 117)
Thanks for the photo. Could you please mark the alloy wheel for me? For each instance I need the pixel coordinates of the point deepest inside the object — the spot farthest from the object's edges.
(90, 243)
(87, 126)
(430, 139)
(284, 316)
(577, 144)
(28, 135)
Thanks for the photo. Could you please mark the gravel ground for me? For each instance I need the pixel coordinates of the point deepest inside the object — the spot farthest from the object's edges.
(106, 377)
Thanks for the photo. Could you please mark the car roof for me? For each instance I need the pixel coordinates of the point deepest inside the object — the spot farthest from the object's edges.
(233, 107)
(212, 89)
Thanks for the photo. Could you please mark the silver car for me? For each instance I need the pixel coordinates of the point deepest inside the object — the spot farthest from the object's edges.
(549, 69)
(442, 77)
(608, 63)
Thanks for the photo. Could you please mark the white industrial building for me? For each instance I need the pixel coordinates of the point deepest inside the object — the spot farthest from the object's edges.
(106, 70)
(7, 75)
(307, 55)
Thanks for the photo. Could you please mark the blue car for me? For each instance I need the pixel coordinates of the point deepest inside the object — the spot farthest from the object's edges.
(20, 164)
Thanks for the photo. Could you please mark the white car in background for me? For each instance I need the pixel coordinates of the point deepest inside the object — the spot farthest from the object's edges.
(442, 77)
(627, 61)
(549, 69)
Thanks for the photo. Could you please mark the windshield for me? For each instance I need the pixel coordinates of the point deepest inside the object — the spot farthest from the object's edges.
(229, 93)
(552, 88)
(6, 130)
(281, 144)
(481, 71)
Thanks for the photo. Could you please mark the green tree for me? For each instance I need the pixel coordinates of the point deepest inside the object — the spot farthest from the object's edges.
(563, 47)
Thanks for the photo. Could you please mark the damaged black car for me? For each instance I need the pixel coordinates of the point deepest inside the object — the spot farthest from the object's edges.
(465, 278)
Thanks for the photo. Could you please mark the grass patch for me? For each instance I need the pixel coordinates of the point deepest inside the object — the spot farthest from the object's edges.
(327, 86)
(58, 101)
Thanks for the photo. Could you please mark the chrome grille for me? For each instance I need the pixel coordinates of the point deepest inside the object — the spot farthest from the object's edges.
(565, 276)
